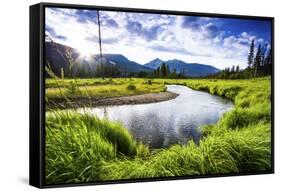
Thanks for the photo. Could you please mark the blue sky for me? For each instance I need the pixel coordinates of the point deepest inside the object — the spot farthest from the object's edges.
(221, 42)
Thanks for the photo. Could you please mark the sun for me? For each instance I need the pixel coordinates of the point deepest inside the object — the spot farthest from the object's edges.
(85, 51)
(85, 54)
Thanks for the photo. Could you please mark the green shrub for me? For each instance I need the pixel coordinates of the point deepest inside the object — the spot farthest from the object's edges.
(131, 87)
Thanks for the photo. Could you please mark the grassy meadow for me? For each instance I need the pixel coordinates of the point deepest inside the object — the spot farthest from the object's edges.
(84, 148)
(99, 88)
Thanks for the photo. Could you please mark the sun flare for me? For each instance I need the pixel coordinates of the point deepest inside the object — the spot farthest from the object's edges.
(85, 50)
(85, 53)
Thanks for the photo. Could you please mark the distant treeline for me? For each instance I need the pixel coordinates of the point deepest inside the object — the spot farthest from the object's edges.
(163, 71)
(109, 70)
(259, 64)
(113, 71)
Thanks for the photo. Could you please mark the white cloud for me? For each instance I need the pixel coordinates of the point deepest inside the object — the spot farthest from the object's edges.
(206, 44)
(64, 23)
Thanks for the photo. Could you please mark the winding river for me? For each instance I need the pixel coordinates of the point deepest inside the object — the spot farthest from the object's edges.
(169, 122)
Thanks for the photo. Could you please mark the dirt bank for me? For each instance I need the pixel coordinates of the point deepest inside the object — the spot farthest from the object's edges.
(95, 102)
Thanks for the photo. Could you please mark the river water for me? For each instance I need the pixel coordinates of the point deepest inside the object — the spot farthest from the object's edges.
(169, 122)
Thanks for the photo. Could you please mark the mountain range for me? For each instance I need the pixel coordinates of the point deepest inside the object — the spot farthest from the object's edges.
(58, 56)
(189, 69)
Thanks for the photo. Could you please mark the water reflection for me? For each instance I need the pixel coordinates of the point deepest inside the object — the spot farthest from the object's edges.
(166, 123)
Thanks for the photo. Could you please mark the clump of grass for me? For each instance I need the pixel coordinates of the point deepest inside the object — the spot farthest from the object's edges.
(131, 87)
(206, 130)
(241, 117)
(229, 152)
(203, 88)
(72, 88)
(76, 144)
(143, 151)
(228, 92)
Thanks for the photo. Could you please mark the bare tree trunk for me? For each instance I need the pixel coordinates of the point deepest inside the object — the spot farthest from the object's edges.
(101, 60)
(256, 67)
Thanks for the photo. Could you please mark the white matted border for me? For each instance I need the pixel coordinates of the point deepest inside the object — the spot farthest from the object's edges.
(14, 76)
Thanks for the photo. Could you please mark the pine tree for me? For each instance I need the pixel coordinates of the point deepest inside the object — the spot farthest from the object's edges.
(233, 69)
(267, 62)
(263, 52)
(227, 73)
(257, 62)
(251, 56)
(158, 72)
(168, 70)
(163, 70)
(237, 69)
(182, 72)
(155, 73)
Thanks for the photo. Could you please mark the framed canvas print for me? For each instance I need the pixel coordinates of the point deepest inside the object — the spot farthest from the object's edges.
(126, 95)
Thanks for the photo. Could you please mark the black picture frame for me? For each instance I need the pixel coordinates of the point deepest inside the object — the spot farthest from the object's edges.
(37, 92)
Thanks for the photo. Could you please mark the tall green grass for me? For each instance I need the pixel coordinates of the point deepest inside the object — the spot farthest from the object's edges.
(81, 148)
(76, 144)
(226, 151)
